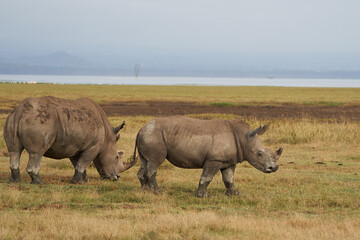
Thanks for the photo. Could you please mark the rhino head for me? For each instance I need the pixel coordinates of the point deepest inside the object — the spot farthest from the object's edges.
(108, 163)
(257, 155)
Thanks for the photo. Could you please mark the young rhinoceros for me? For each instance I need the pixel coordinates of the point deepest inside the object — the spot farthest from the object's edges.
(212, 145)
(57, 128)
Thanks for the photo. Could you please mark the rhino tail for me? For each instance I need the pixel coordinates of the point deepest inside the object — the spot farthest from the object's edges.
(128, 165)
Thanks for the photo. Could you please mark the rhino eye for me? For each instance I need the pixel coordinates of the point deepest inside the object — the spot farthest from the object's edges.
(117, 158)
(260, 153)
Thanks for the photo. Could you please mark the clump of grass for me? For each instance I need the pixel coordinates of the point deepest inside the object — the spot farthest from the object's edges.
(306, 131)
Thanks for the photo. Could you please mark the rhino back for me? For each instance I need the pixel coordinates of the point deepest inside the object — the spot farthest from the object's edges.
(190, 142)
(62, 128)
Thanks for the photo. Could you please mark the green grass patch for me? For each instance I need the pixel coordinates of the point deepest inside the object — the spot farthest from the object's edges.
(323, 103)
(222, 104)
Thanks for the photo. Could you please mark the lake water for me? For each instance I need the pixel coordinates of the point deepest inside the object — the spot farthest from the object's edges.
(196, 81)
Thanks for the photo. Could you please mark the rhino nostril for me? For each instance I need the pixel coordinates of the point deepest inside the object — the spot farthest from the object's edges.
(271, 169)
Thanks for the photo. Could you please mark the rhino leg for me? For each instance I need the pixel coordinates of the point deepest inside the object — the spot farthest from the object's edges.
(228, 179)
(15, 175)
(78, 177)
(205, 179)
(33, 168)
(84, 160)
(15, 166)
(150, 161)
(74, 161)
(151, 176)
(142, 174)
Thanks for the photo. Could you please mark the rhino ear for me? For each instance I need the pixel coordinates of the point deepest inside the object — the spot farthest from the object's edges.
(262, 129)
(121, 153)
(117, 137)
(259, 131)
(280, 150)
(118, 128)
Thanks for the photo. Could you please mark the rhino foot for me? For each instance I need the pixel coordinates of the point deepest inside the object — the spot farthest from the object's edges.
(202, 194)
(144, 183)
(15, 175)
(77, 178)
(35, 178)
(157, 191)
(84, 177)
(144, 187)
(232, 192)
(13, 180)
(74, 181)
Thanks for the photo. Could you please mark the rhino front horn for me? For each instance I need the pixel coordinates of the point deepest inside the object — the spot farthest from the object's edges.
(127, 165)
(279, 151)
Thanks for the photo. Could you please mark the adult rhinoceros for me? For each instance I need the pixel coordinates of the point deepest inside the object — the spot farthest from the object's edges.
(57, 128)
(212, 145)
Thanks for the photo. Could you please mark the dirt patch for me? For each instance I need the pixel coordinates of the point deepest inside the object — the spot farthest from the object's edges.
(159, 108)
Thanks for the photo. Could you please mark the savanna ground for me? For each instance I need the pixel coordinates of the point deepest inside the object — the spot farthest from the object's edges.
(314, 194)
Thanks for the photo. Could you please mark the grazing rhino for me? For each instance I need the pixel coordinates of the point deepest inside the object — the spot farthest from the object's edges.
(57, 128)
(212, 145)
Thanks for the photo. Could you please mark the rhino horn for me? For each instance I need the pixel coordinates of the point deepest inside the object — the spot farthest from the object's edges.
(118, 128)
(259, 131)
(128, 165)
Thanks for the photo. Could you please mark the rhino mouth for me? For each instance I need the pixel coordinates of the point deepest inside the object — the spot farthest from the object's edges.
(113, 177)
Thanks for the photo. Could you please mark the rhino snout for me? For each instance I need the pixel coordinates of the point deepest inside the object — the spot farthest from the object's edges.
(271, 168)
(115, 177)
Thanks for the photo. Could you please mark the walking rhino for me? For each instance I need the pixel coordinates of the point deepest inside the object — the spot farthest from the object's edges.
(58, 128)
(212, 145)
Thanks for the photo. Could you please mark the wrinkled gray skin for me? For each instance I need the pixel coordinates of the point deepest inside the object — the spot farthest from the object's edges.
(212, 145)
(57, 128)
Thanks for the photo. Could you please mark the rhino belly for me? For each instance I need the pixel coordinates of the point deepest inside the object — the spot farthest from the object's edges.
(183, 159)
(67, 148)
(187, 150)
(59, 152)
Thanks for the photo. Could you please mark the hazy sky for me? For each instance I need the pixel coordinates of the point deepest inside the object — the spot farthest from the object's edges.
(110, 26)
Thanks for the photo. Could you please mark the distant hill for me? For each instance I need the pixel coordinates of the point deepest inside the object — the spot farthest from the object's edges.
(182, 64)
(56, 59)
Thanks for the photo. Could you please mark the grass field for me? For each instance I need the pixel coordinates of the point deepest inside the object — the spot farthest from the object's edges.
(11, 93)
(314, 194)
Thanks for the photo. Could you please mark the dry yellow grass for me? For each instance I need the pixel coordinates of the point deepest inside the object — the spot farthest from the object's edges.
(149, 223)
